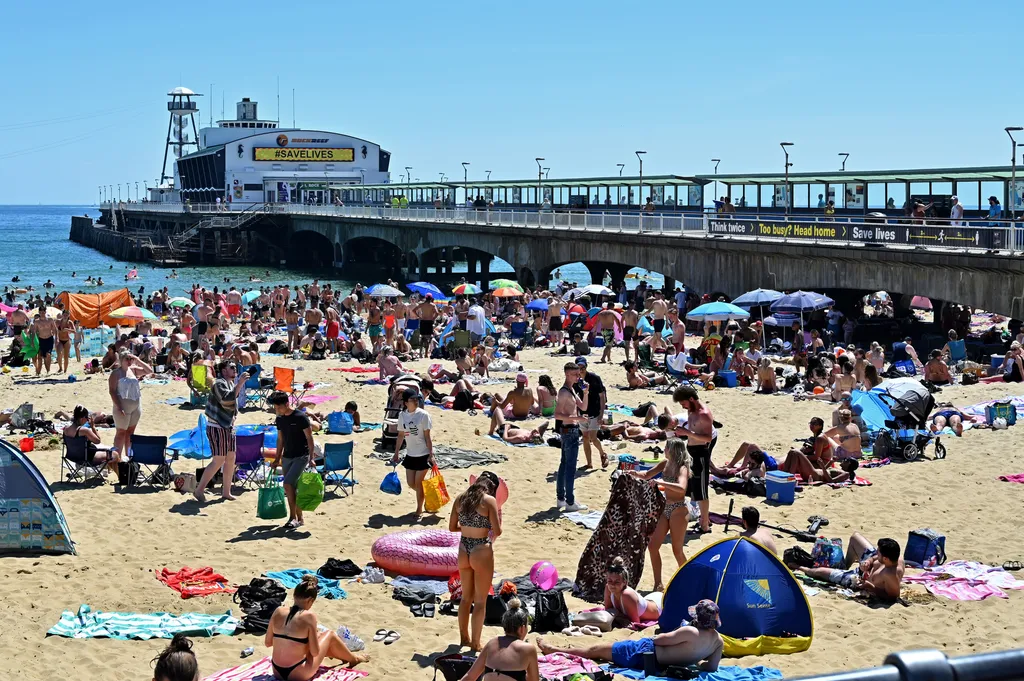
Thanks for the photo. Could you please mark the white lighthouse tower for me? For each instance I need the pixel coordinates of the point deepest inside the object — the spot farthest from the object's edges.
(183, 109)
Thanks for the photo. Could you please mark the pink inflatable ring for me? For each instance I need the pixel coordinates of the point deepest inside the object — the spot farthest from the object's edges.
(418, 552)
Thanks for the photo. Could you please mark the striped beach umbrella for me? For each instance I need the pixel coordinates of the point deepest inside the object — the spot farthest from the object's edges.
(132, 313)
(506, 283)
(467, 290)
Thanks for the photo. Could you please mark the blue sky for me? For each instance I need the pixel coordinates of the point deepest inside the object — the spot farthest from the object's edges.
(896, 84)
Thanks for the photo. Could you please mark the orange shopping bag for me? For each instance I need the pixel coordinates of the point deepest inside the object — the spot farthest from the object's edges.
(434, 490)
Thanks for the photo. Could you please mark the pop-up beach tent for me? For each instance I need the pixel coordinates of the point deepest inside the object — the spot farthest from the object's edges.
(761, 605)
(31, 521)
(92, 309)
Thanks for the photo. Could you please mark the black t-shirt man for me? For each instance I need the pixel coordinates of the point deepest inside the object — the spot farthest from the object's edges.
(596, 391)
(291, 430)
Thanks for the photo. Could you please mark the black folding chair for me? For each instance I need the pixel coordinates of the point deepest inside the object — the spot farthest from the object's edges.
(74, 461)
(149, 452)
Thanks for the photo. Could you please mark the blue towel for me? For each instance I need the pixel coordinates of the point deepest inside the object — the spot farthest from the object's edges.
(758, 673)
(289, 579)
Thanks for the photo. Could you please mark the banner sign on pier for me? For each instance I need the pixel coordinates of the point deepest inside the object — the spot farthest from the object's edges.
(325, 154)
(924, 235)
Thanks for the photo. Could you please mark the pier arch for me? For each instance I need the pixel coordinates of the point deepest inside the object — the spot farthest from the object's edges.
(371, 258)
(310, 249)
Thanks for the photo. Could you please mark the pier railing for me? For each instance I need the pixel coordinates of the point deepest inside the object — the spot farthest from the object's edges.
(975, 235)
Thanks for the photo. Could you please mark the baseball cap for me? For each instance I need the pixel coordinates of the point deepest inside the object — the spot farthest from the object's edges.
(705, 615)
(522, 377)
(581, 361)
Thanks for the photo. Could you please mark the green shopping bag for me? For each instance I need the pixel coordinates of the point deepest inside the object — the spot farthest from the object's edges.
(310, 490)
(270, 504)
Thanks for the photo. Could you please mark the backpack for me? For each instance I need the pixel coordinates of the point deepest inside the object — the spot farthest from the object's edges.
(828, 553)
(278, 347)
(797, 556)
(453, 667)
(551, 613)
(339, 569)
(925, 548)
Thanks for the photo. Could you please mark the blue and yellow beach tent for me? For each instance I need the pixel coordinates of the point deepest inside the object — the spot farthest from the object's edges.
(31, 522)
(762, 607)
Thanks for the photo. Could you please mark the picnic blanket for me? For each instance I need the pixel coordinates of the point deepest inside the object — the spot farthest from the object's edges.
(195, 581)
(356, 370)
(729, 673)
(264, 671)
(138, 626)
(965, 580)
(289, 579)
(454, 457)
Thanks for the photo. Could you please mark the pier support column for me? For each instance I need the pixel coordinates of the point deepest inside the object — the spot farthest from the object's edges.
(471, 263)
(217, 239)
(202, 248)
(485, 271)
(670, 284)
(618, 273)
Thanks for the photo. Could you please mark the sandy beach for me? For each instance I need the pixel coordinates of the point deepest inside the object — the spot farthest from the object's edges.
(123, 539)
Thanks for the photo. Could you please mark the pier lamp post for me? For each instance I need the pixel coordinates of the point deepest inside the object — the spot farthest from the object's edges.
(1013, 169)
(716, 161)
(488, 175)
(465, 179)
(618, 190)
(639, 155)
(136, 192)
(785, 150)
(408, 179)
(119, 192)
(101, 193)
(546, 172)
(540, 171)
(845, 156)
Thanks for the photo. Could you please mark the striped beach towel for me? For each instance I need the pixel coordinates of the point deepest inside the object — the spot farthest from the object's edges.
(262, 671)
(140, 627)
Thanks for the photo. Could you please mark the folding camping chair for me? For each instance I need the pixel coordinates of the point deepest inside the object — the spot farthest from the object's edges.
(338, 470)
(249, 460)
(284, 380)
(149, 452)
(74, 460)
(256, 390)
(645, 358)
(517, 330)
(462, 339)
(199, 384)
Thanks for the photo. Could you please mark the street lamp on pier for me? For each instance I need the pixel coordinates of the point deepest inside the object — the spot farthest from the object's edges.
(785, 150)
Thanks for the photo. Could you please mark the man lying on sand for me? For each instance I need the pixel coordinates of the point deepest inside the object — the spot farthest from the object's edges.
(513, 434)
(642, 379)
(878, 572)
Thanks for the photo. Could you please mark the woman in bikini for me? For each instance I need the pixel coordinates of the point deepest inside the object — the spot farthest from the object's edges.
(546, 394)
(623, 601)
(675, 476)
(82, 425)
(65, 329)
(846, 435)
(509, 656)
(299, 647)
(475, 515)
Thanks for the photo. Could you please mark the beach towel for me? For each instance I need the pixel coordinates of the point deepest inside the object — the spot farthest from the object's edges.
(174, 401)
(730, 673)
(438, 587)
(127, 626)
(518, 444)
(453, 457)
(1016, 477)
(289, 579)
(858, 481)
(619, 409)
(195, 581)
(318, 399)
(875, 463)
(264, 671)
(561, 666)
(356, 370)
(963, 580)
(589, 520)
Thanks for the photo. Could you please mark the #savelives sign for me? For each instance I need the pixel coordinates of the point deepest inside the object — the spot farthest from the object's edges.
(925, 235)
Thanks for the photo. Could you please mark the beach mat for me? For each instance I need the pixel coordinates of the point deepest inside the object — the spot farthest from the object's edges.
(289, 579)
(264, 671)
(453, 457)
(131, 626)
(729, 673)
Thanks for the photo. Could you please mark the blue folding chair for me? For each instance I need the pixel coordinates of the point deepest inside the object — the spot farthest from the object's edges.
(256, 392)
(517, 330)
(957, 351)
(149, 452)
(338, 470)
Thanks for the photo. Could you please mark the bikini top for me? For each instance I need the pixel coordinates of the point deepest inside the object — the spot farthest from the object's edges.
(518, 675)
(474, 519)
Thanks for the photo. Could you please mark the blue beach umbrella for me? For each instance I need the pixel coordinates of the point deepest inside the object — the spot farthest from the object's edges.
(716, 312)
(425, 288)
(383, 291)
(799, 302)
(757, 298)
(250, 296)
(539, 304)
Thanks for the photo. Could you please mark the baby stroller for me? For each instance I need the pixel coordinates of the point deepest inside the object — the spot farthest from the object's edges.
(393, 408)
(897, 414)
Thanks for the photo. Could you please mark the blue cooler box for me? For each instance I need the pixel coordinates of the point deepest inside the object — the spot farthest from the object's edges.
(729, 377)
(780, 487)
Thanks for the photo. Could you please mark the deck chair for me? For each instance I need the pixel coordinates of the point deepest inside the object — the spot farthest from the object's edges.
(517, 330)
(284, 380)
(149, 452)
(645, 358)
(74, 461)
(199, 385)
(338, 470)
(411, 327)
(256, 389)
(249, 460)
(957, 351)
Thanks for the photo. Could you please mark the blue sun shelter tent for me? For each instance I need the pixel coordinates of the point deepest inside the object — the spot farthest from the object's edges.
(31, 521)
(762, 607)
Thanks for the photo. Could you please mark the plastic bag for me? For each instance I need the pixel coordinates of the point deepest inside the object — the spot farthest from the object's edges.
(435, 493)
(309, 491)
(828, 553)
(391, 484)
(270, 503)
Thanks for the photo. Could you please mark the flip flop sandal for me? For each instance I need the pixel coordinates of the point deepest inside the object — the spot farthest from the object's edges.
(380, 635)
(392, 637)
(417, 609)
(1013, 565)
(428, 610)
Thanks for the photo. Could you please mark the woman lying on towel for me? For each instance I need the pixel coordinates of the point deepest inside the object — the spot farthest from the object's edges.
(299, 647)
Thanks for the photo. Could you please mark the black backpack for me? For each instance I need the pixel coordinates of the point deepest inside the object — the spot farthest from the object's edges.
(339, 569)
(551, 614)
(278, 347)
(259, 599)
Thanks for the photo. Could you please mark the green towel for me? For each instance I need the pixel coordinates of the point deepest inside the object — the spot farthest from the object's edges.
(140, 627)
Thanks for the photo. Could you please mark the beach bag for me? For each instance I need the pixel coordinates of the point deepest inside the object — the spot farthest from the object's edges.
(797, 556)
(435, 493)
(270, 504)
(828, 553)
(309, 492)
(340, 422)
(453, 667)
(495, 610)
(391, 484)
(455, 587)
(21, 416)
(925, 548)
(968, 379)
(601, 619)
(1003, 409)
(185, 483)
(339, 569)
(278, 347)
(551, 613)
(127, 473)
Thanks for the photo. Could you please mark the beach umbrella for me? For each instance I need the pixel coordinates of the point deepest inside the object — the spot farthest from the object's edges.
(781, 319)
(506, 292)
(573, 293)
(539, 305)
(7, 308)
(597, 290)
(425, 288)
(467, 290)
(757, 298)
(55, 311)
(183, 302)
(799, 302)
(132, 313)
(716, 312)
(506, 283)
(920, 303)
(250, 296)
(383, 291)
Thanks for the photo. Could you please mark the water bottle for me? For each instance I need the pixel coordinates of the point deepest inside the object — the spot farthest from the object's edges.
(248, 651)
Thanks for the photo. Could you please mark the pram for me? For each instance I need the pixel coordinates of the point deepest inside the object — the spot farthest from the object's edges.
(896, 416)
(393, 408)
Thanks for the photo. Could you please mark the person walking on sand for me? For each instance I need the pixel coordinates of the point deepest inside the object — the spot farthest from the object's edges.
(414, 429)
(294, 450)
(221, 408)
(475, 516)
(568, 408)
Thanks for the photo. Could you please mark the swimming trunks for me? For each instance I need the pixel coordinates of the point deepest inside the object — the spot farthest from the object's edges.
(659, 325)
(426, 332)
(374, 330)
(555, 324)
(45, 346)
(627, 332)
(608, 335)
(700, 470)
(463, 323)
(630, 653)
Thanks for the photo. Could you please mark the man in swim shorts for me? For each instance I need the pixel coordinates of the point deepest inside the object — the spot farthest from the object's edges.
(555, 319)
(659, 309)
(608, 322)
(44, 329)
(876, 571)
(427, 313)
(701, 437)
(630, 318)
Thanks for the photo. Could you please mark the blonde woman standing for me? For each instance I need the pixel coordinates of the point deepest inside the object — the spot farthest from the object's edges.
(675, 476)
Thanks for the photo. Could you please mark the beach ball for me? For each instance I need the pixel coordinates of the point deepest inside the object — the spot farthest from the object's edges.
(818, 390)
(544, 575)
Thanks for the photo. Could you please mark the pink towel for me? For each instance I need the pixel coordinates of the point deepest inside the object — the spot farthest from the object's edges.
(963, 590)
(318, 399)
(1017, 477)
(262, 671)
(562, 666)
